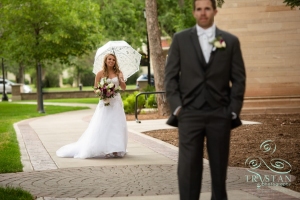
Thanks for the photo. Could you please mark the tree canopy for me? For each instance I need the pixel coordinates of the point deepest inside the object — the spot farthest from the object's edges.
(123, 20)
(50, 29)
(292, 3)
(43, 30)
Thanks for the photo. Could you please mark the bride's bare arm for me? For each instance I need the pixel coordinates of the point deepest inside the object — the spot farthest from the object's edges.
(122, 81)
(98, 77)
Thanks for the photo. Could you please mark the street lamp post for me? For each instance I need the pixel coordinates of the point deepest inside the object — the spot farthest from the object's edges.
(4, 96)
(148, 51)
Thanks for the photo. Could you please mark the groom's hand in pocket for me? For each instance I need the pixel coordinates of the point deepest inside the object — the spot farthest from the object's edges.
(177, 111)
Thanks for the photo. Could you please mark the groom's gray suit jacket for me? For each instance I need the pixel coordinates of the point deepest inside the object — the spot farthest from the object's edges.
(189, 80)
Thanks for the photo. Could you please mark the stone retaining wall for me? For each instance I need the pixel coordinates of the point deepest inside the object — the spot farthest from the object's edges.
(64, 95)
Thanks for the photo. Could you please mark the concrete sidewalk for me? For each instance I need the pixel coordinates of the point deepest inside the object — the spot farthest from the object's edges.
(148, 171)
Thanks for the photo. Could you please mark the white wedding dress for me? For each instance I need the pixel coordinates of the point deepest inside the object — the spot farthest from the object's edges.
(105, 134)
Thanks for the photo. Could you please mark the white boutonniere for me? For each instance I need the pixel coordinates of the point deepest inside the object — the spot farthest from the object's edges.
(218, 42)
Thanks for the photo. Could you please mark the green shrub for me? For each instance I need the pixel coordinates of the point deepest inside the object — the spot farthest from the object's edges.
(68, 81)
(151, 101)
(129, 103)
(144, 100)
(150, 98)
(26, 82)
(124, 95)
(87, 78)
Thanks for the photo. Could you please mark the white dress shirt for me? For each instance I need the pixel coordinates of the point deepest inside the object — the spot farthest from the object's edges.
(205, 37)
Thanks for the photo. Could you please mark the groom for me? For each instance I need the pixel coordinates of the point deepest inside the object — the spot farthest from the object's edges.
(205, 85)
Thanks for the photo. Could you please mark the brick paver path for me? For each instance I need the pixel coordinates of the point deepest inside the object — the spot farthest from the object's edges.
(114, 181)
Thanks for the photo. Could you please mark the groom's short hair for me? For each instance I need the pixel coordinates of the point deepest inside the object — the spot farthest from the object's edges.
(213, 3)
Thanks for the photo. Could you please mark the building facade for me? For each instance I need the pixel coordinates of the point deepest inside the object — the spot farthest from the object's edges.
(269, 33)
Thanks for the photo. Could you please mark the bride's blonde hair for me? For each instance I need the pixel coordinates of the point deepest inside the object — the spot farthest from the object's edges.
(115, 68)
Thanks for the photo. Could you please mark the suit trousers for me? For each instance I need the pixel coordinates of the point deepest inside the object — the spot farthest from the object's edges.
(193, 126)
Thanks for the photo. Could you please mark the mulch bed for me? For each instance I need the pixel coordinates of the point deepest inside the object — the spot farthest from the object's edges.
(282, 129)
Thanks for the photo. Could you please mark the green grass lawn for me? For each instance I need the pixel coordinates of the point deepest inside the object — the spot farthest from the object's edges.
(74, 100)
(64, 89)
(14, 194)
(11, 113)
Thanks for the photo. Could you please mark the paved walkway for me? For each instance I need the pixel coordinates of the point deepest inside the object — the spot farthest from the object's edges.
(147, 172)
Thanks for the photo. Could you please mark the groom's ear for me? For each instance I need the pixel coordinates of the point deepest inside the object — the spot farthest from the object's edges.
(215, 12)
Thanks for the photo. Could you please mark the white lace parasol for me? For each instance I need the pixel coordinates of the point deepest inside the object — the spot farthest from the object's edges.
(127, 57)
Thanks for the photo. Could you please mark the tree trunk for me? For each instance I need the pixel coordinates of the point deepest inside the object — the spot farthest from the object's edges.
(20, 78)
(181, 3)
(78, 78)
(156, 54)
(38, 91)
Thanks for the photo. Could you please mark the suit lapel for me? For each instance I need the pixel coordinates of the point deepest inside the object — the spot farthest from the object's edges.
(196, 43)
(213, 52)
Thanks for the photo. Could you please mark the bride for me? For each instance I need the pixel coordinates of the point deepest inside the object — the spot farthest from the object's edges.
(106, 134)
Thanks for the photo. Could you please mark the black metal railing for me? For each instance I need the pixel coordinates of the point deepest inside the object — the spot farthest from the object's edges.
(136, 103)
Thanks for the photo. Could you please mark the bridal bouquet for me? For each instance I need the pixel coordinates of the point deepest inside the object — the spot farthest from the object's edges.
(106, 90)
